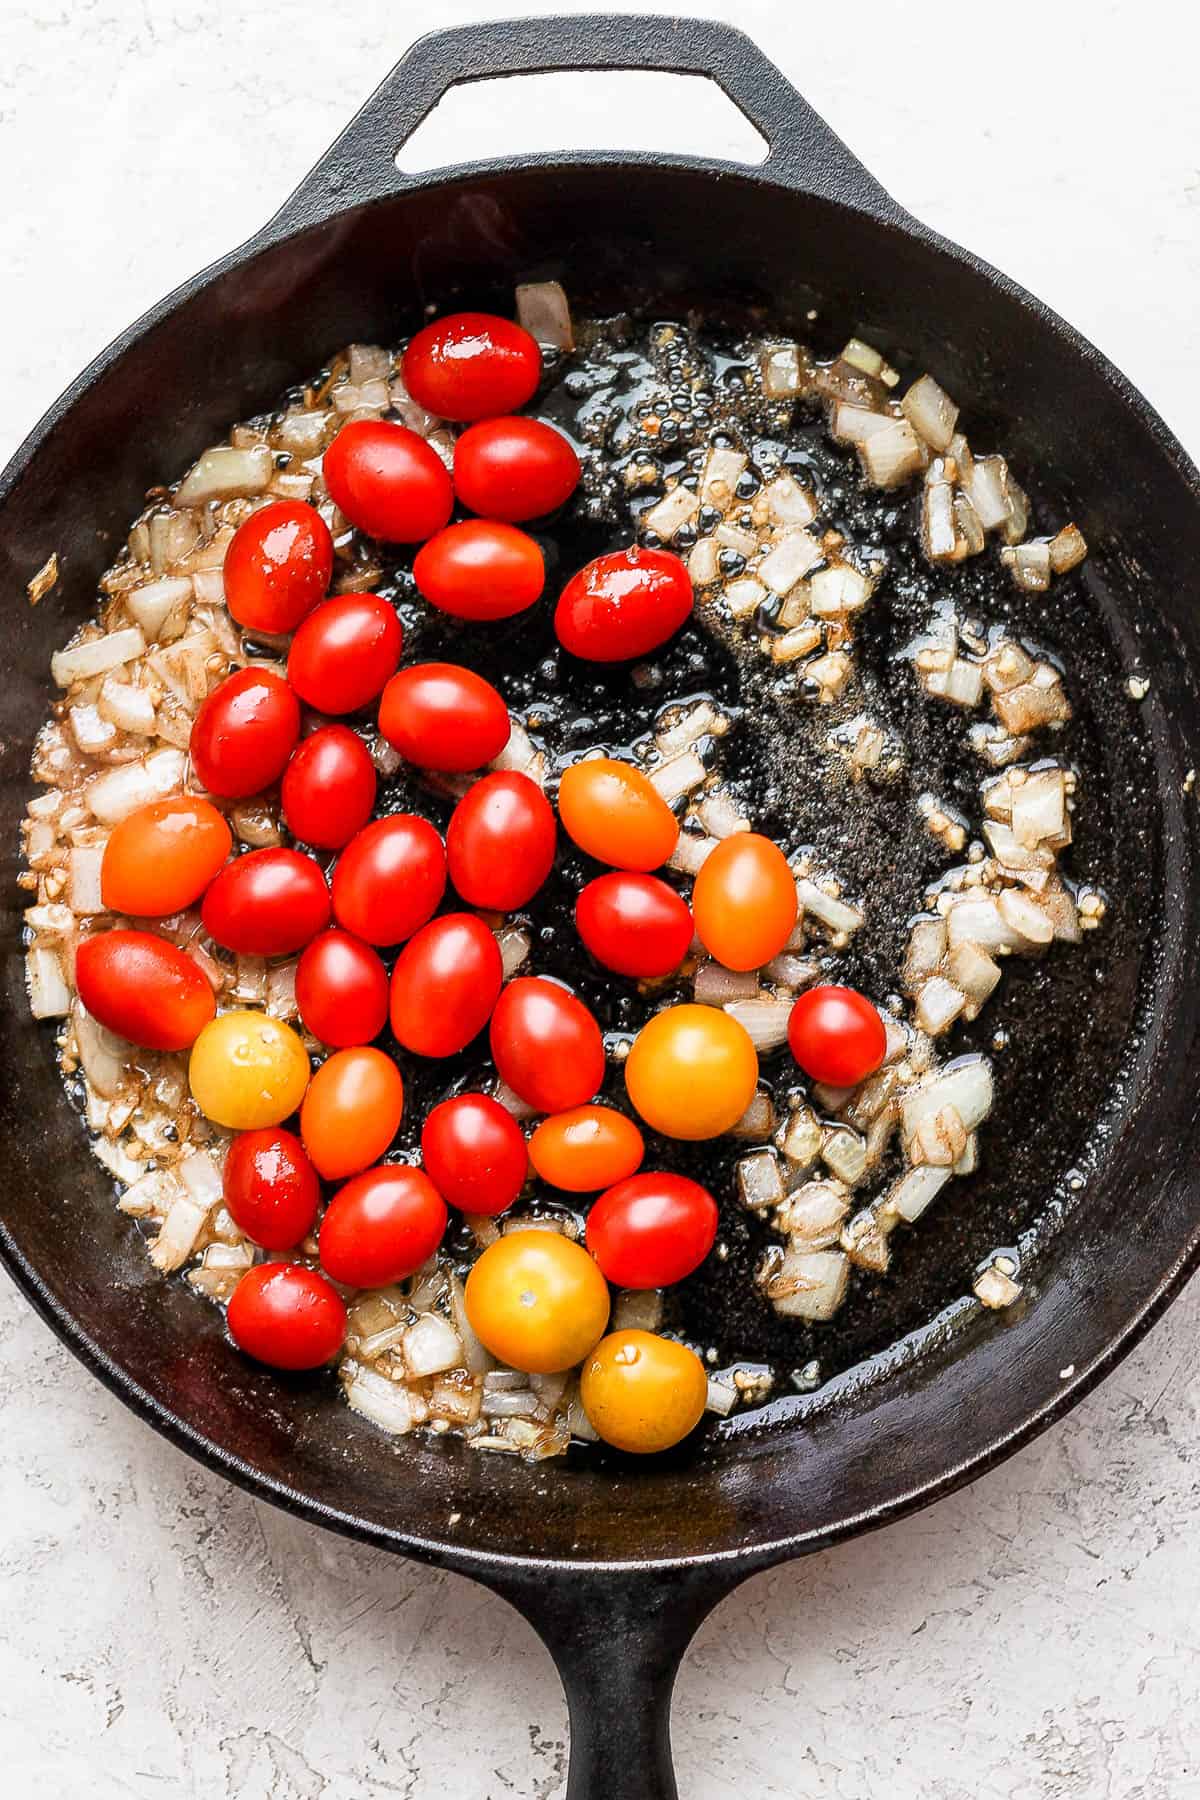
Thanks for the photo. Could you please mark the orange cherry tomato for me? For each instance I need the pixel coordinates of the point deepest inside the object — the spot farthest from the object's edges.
(586, 1149)
(643, 1392)
(537, 1301)
(352, 1111)
(744, 901)
(616, 814)
(692, 1072)
(162, 857)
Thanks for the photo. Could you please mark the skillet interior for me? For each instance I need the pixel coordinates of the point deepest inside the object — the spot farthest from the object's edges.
(861, 1447)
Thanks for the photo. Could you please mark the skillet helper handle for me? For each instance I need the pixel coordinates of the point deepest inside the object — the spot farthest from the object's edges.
(617, 1639)
(360, 165)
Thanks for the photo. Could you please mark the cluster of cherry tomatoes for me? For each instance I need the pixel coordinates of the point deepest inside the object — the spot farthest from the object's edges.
(537, 1300)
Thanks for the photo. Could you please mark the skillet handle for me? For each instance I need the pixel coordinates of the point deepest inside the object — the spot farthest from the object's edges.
(360, 165)
(617, 1638)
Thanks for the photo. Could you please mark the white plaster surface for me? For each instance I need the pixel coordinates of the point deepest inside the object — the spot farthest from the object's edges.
(161, 1633)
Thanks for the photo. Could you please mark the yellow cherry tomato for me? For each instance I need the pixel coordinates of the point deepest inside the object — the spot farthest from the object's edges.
(537, 1301)
(586, 1149)
(692, 1072)
(247, 1071)
(616, 814)
(643, 1392)
(744, 901)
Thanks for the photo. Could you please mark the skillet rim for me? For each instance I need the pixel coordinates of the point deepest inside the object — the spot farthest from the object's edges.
(494, 1565)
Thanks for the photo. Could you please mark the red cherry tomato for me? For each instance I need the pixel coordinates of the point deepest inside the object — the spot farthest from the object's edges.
(623, 605)
(278, 566)
(328, 788)
(474, 1152)
(514, 469)
(244, 733)
(341, 990)
(382, 1226)
(836, 1035)
(634, 924)
(287, 1316)
(344, 652)
(351, 1111)
(500, 842)
(267, 903)
(389, 879)
(652, 1229)
(271, 1188)
(161, 858)
(388, 481)
(480, 569)
(444, 985)
(546, 1045)
(442, 717)
(143, 988)
(472, 365)
(744, 901)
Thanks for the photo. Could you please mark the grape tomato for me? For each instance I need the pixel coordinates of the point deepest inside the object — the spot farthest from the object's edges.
(345, 652)
(341, 990)
(389, 879)
(616, 814)
(445, 982)
(267, 903)
(514, 469)
(441, 716)
(244, 733)
(143, 988)
(278, 566)
(546, 1044)
(634, 924)
(352, 1111)
(471, 365)
(381, 1227)
(500, 842)
(287, 1315)
(836, 1035)
(480, 569)
(247, 1070)
(537, 1301)
(328, 789)
(623, 605)
(271, 1188)
(474, 1152)
(388, 481)
(586, 1148)
(161, 858)
(744, 901)
(652, 1229)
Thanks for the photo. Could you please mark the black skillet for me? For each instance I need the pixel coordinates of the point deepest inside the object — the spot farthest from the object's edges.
(616, 1566)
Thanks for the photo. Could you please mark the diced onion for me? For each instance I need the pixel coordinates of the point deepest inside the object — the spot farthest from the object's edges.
(431, 1345)
(765, 1021)
(965, 1084)
(81, 661)
(225, 473)
(153, 604)
(49, 995)
(543, 311)
(809, 1284)
(121, 791)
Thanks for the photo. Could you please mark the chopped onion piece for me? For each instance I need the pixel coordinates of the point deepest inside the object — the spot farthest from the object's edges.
(431, 1346)
(129, 708)
(49, 995)
(961, 684)
(790, 558)
(719, 815)
(512, 1102)
(699, 721)
(974, 971)
(938, 1004)
(891, 456)
(723, 469)
(151, 1196)
(765, 1021)
(781, 371)
(965, 1085)
(1029, 565)
(760, 1184)
(721, 1398)
(831, 673)
(809, 1284)
(714, 984)
(225, 473)
(691, 853)
(81, 661)
(84, 894)
(996, 1288)
(758, 1121)
(670, 514)
(104, 1057)
(853, 424)
(679, 776)
(736, 538)
(845, 1153)
(201, 1177)
(1039, 809)
(926, 947)
(180, 1233)
(637, 1309)
(977, 919)
(915, 1190)
(838, 590)
(744, 596)
(1024, 917)
(931, 412)
(393, 1408)
(802, 1138)
(514, 947)
(835, 914)
(794, 644)
(939, 1140)
(812, 1216)
(785, 502)
(704, 563)
(121, 791)
(542, 310)
(1068, 548)
(791, 971)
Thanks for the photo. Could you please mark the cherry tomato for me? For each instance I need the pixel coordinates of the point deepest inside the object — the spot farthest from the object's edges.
(472, 365)
(692, 1072)
(744, 901)
(278, 566)
(389, 879)
(836, 1035)
(546, 1045)
(642, 1392)
(514, 469)
(352, 1111)
(651, 1230)
(442, 717)
(287, 1316)
(623, 605)
(474, 1152)
(479, 569)
(328, 788)
(382, 1226)
(634, 924)
(445, 982)
(586, 1149)
(537, 1301)
(271, 1189)
(388, 481)
(143, 988)
(244, 733)
(247, 1071)
(162, 857)
(267, 903)
(500, 842)
(344, 652)
(341, 990)
(616, 814)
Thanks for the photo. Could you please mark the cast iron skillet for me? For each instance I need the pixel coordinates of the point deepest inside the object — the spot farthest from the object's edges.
(615, 1567)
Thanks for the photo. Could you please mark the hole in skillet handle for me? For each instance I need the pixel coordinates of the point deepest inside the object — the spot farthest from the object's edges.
(638, 111)
(363, 164)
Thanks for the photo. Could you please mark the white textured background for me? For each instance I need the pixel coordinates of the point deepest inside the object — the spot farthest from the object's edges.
(160, 1633)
